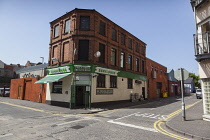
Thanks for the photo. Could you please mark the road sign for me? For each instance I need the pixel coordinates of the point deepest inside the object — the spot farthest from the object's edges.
(177, 74)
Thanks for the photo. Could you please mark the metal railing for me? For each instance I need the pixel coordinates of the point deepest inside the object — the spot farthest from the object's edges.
(201, 43)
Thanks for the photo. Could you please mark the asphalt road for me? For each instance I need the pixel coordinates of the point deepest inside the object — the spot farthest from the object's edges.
(134, 123)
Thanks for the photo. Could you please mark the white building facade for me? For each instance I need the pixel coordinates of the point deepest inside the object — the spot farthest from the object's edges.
(201, 10)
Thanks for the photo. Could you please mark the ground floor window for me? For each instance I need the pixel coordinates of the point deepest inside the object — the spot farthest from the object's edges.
(101, 80)
(113, 81)
(57, 87)
(130, 83)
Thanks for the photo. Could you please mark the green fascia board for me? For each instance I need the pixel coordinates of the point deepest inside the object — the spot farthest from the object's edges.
(130, 75)
(125, 74)
(90, 68)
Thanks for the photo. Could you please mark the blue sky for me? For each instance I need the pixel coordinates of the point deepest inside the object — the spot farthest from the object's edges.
(166, 26)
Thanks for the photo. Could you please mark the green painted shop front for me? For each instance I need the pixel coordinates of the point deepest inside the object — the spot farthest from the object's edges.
(81, 81)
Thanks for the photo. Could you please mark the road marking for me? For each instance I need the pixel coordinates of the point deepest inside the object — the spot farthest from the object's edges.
(71, 122)
(126, 116)
(6, 135)
(157, 124)
(134, 126)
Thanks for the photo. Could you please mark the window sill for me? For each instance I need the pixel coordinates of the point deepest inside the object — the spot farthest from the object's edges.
(100, 87)
(56, 93)
(55, 37)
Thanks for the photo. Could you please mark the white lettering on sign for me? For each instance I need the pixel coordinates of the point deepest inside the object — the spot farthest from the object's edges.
(152, 116)
(106, 71)
(82, 68)
(64, 69)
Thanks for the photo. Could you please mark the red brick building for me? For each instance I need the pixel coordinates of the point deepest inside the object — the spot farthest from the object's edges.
(157, 79)
(79, 34)
(100, 61)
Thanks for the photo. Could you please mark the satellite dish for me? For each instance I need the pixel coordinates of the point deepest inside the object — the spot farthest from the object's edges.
(97, 54)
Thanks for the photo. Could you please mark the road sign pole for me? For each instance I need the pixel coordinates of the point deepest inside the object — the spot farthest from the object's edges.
(182, 90)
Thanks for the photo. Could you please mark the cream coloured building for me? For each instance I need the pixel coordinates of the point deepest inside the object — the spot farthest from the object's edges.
(201, 10)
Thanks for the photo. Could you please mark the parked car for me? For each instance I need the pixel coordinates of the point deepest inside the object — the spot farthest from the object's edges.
(198, 93)
(4, 92)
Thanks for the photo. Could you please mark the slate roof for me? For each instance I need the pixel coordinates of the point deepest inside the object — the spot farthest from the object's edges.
(188, 81)
(32, 68)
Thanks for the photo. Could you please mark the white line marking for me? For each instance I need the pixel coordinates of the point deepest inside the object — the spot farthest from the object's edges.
(134, 126)
(127, 116)
(6, 135)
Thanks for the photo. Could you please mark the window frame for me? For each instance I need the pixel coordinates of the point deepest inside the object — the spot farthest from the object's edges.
(130, 63)
(56, 31)
(113, 56)
(113, 81)
(67, 27)
(102, 28)
(122, 38)
(137, 47)
(81, 56)
(143, 66)
(101, 81)
(130, 83)
(57, 83)
(82, 24)
(137, 65)
(114, 34)
(122, 60)
(102, 50)
(130, 43)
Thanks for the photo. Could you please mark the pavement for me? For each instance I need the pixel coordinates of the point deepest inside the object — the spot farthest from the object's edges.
(194, 126)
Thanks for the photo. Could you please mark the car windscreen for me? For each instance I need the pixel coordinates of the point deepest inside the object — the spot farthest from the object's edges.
(199, 90)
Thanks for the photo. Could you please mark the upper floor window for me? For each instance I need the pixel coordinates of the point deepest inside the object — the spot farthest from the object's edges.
(102, 51)
(84, 23)
(56, 28)
(102, 29)
(130, 43)
(122, 39)
(142, 50)
(113, 57)
(83, 50)
(67, 26)
(122, 60)
(143, 66)
(113, 81)
(130, 62)
(114, 34)
(101, 80)
(137, 64)
(137, 47)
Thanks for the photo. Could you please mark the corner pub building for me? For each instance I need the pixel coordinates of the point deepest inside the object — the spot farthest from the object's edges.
(93, 60)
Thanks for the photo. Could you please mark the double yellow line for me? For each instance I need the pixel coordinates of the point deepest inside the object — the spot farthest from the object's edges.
(157, 124)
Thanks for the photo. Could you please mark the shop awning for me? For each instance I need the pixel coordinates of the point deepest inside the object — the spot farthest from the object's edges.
(51, 78)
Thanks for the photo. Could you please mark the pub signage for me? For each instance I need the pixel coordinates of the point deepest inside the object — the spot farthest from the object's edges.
(59, 70)
(82, 68)
(106, 71)
(104, 91)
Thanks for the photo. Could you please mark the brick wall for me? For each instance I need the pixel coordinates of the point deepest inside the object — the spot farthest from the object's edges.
(25, 89)
(161, 78)
(63, 47)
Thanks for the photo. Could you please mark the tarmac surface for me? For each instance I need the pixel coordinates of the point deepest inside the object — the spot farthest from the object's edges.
(194, 126)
